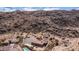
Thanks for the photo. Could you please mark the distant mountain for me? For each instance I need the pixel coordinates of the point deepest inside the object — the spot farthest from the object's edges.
(10, 9)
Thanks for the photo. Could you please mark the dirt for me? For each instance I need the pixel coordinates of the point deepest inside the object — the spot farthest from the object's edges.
(56, 30)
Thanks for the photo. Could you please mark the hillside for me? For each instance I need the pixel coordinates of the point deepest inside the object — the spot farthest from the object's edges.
(46, 30)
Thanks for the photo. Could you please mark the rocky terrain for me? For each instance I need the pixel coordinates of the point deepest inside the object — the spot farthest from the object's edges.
(56, 30)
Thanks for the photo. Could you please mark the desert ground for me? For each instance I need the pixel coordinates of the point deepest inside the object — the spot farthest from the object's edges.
(56, 30)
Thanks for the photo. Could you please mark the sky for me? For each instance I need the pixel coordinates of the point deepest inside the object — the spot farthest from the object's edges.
(39, 3)
(8, 9)
(33, 5)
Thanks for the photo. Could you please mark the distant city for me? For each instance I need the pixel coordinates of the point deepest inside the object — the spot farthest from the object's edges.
(9, 9)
